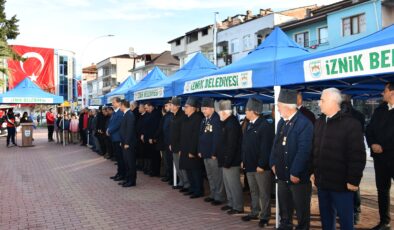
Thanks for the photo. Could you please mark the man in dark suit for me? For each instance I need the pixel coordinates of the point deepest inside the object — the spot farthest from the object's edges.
(306, 112)
(175, 143)
(113, 132)
(380, 138)
(290, 161)
(128, 142)
(256, 148)
(189, 159)
(209, 140)
(150, 127)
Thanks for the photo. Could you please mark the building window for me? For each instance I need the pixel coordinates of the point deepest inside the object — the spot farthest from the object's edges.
(192, 37)
(235, 45)
(204, 32)
(178, 42)
(259, 39)
(353, 25)
(302, 39)
(323, 35)
(247, 42)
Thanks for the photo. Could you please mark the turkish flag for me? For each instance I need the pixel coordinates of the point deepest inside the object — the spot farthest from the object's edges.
(38, 66)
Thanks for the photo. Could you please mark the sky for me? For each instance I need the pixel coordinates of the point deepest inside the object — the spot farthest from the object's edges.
(145, 25)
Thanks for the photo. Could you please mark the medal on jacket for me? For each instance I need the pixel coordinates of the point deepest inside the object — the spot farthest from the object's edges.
(208, 128)
(284, 141)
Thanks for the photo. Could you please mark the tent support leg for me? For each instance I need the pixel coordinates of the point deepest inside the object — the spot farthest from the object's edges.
(277, 118)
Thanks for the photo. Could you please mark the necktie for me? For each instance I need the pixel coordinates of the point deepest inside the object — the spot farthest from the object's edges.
(250, 125)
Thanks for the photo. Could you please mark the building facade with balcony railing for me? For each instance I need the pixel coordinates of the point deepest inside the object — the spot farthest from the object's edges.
(237, 41)
(112, 71)
(340, 23)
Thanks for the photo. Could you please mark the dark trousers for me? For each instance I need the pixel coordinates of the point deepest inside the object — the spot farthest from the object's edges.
(195, 177)
(50, 132)
(11, 131)
(108, 146)
(155, 159)
(357, 202)
(384, 173)
(101, 139)
(168, 164)
(146, 156)
(84, 136)
(118, 153)
(129, 158)
(333, 204)
(298, 197)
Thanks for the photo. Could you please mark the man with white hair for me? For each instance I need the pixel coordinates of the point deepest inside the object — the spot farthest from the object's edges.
(290, 161)
(338, 161)
(229, 158)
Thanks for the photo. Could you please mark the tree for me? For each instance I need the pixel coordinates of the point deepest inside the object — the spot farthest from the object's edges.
(8, 30)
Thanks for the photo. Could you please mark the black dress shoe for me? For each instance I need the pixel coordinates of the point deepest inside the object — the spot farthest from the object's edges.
(188, 193)
(234, 212)
(225, 208)
(165, 179)
(184, 190)
(113, 177)
(263, 223)
(123, 182)
(119, 178)
(249, 218)
(170, 182)
(208, 199)
(382, 226)
(129, 184)
(177, 187)
(216, 203)
(194, 196)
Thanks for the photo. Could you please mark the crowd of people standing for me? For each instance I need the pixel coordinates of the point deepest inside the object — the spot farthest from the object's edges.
(205, 140)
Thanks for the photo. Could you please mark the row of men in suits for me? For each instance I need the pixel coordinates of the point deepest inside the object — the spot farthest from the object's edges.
(329, 152)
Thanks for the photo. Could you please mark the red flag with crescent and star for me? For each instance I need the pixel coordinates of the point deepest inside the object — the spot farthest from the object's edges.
(38, 66)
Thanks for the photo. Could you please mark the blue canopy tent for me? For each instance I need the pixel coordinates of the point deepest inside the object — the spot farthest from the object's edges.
(27, 92)
(197, 66)
(153, 76)
(125, 85)
(249, 75)
(358, 68)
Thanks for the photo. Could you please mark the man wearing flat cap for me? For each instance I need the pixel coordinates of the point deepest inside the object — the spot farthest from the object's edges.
(189, 159)
(209, 140)
(175, 143)
(229, 158)
(290, 161)
(256, 149)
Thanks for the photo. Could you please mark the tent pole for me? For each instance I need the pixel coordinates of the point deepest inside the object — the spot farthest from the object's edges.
(175, 177)
(64, 116)
(277, 118)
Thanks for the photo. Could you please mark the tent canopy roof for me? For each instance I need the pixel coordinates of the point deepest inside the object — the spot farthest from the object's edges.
(27, 92)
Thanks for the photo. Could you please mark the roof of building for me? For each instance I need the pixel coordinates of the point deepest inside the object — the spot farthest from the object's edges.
(90, 69)
(164, 58)
(228, 22)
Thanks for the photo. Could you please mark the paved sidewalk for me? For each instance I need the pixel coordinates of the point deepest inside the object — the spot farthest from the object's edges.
(53, 187)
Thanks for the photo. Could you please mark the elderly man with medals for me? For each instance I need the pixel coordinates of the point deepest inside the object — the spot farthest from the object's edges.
(209, 140)
(290, 161)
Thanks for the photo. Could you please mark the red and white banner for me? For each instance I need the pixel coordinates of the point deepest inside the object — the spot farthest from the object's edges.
(38, 66)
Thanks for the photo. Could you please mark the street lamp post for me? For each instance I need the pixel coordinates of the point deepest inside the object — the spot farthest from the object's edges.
(84, 94)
